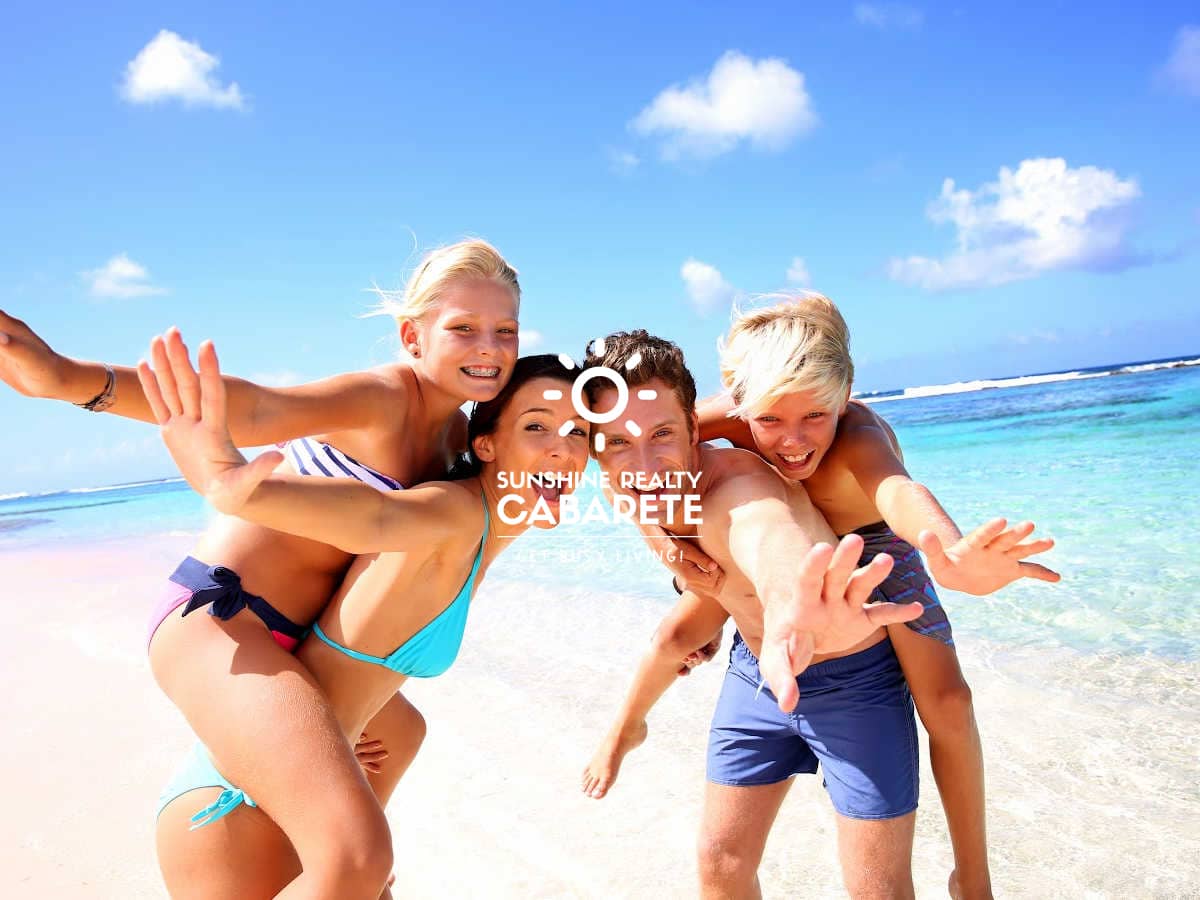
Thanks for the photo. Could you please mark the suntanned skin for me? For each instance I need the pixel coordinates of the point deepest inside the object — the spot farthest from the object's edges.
(850, 461)
(402, 420)
(855, 475)
(756, 525)
(732, 484)
(702, 611)
(387, 418)
(414, 551)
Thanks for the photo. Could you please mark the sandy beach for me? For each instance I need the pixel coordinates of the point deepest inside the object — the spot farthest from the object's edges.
(492, 807)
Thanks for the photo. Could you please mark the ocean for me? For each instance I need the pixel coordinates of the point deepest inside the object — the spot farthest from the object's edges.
(1104, 460)
(1087, 692)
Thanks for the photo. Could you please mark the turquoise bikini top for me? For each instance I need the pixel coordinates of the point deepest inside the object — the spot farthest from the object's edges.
(433, 649)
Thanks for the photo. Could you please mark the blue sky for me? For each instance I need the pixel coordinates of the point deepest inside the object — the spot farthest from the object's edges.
(246, 173)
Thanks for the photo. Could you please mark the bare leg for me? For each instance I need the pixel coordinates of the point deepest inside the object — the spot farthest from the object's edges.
(733, 835)
(243, 856)
(876, 856)
(691, 624)
(400, 727)
(943, 700)
(272, 733)
(246, 855)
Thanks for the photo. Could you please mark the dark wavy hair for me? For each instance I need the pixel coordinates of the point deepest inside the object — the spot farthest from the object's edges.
(485, 415)
(656, 358)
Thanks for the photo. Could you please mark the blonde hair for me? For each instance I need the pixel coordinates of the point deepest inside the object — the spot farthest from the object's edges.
(439, 268)
(799, 344)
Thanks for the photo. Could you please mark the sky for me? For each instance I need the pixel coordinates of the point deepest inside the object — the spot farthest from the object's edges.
(984, 191)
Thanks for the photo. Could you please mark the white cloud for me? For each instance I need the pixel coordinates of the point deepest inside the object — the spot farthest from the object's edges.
(622, 161)
(888, 15)
(530, 339)
(121, 277)
(171, 68)
(763, 102)
(706, 287)
(797, 272)
(1182, 69)
(1042, 217)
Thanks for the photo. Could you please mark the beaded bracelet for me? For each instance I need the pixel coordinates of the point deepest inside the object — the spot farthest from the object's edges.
(106, 397)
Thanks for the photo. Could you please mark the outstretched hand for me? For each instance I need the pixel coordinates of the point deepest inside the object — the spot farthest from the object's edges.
(989, 558)
(824, 614)
(27, 364)
(190, 410)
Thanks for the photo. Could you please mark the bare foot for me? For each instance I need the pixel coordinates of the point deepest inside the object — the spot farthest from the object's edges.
(601, 772)
(957, 892)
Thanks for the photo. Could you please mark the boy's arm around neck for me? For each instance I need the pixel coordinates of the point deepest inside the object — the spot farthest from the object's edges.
(716, 423)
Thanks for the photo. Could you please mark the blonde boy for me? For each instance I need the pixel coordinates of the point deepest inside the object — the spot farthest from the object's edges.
(788, 374)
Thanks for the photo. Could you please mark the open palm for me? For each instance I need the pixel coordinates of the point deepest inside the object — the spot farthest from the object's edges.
(191, 413)
(825, 614)
(989, 558)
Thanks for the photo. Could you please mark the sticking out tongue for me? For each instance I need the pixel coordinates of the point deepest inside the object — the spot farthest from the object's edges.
(548, 492)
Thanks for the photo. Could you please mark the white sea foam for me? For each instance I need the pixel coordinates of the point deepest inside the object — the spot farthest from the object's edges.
(1153, 367)
(983, 384)
(121, 487)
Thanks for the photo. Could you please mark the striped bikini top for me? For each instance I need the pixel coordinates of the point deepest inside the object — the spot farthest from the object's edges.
(433, 649)
(314, 458)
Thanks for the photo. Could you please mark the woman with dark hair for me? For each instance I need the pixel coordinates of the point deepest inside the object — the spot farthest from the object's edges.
(390, 427)
(401, 608)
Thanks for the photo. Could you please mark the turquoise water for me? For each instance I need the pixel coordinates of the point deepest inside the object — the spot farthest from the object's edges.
(1109, 466)
(1087, 693)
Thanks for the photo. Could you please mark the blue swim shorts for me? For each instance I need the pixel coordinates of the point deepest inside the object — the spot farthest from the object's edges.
(855, 717)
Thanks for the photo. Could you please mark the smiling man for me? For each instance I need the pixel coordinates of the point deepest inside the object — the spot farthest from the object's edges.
(798, 607)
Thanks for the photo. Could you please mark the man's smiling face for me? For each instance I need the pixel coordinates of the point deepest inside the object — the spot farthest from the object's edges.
(652, 440)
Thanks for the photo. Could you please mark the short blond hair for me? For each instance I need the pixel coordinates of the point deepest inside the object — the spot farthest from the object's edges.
(473, 258)
(800, 343)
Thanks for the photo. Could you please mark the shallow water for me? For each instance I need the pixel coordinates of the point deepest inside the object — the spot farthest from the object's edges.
(1087, 692)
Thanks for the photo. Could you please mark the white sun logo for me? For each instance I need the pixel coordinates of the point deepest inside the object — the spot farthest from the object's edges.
(618, 382)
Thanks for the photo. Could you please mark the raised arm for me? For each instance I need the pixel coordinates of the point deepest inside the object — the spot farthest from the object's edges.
(715, 422)
(989, 558)
(258, 414)
(191, 411)
(812, 596)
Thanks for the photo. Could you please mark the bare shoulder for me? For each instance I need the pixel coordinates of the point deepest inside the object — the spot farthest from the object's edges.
(388, 391)
(395, 380)
(862, 430)
(733, 476)
(728, 462)
(448, 506)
